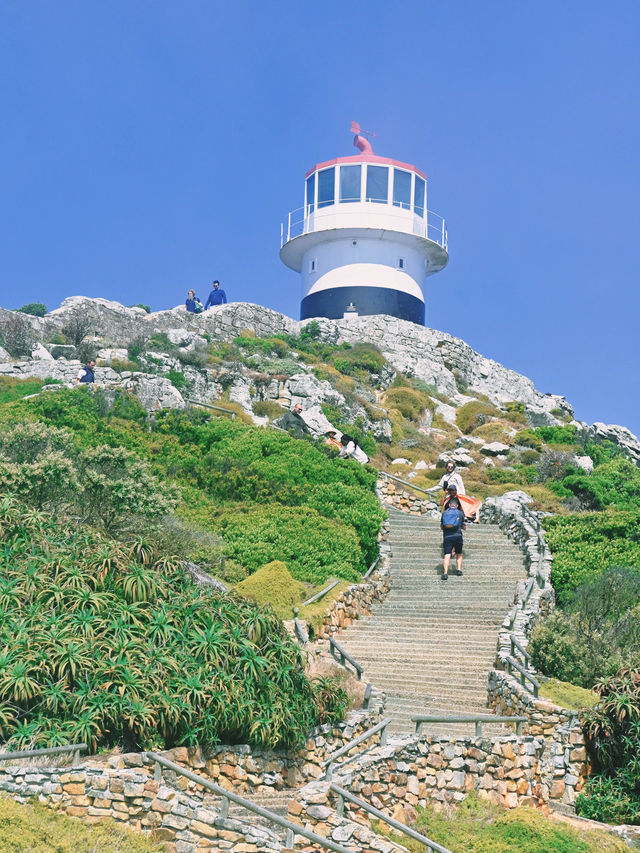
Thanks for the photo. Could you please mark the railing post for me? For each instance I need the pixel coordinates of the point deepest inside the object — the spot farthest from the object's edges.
(329, 772)
(290, 838)
(519, 727)
(383, 736)
(224, 808)
(340, 806)
(157, 771)
(418, 727)
(478, 728)
(75, 758)
(535, 690)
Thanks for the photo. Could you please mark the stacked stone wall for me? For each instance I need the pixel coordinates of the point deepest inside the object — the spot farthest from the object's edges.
(393, 494)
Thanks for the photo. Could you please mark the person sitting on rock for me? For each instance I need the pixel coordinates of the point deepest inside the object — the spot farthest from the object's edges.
(293, 422)
(216, 297)
(86, 375)
(193, 304)
(451, 478)
(351, 449)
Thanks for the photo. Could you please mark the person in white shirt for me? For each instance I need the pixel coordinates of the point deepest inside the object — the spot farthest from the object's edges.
(351, 448)
(452, 480)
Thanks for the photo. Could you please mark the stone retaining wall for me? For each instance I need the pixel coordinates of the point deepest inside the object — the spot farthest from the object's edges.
(180, 813)
(509, 512)
(395, 495)
(314, 808)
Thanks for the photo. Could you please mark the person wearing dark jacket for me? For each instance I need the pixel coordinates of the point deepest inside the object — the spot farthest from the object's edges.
(452, 524)
(193, 304)
(294, 422)
(86, 374)
(216, 297)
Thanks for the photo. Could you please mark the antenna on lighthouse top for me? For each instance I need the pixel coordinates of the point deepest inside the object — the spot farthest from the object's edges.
(362, 144)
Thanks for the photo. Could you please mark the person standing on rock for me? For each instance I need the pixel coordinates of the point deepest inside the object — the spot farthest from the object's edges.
(86, 375)
(452, 524)
(193, 304)
(216, 297)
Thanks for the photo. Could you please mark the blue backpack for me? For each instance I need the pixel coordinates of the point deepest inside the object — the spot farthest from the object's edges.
(451, 519)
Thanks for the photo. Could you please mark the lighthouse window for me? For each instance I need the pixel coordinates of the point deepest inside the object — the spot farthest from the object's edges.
(350, 183)
(378, 184)
(311, 193)
(418, 196)
(402, 189)
(326, 187)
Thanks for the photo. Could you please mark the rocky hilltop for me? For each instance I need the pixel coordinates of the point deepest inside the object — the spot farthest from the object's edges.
(436, 358)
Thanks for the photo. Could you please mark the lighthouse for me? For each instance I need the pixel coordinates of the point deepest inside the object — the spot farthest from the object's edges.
(364, 241)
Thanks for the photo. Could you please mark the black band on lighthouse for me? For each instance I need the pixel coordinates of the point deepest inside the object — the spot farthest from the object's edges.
(333, 302)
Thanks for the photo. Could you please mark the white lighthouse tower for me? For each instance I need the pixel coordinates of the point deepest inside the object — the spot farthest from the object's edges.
(365, 240)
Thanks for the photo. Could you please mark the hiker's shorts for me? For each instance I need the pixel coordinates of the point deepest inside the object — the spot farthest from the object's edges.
(453, 544)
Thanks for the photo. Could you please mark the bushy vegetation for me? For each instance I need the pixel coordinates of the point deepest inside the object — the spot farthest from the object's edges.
(235, 480)
(27, 828)
(585, 545)
(477, 825)
(612, 729)
(595, 634)
(115, 645)
(474, 414)
(36, 309)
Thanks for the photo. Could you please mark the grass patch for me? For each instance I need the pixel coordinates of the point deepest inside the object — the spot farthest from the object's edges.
(478, 826)
(568, 695)
(26, 828)
(274, 585)
(15, 389)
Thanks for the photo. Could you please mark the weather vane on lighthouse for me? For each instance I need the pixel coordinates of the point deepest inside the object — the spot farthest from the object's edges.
(364, 241)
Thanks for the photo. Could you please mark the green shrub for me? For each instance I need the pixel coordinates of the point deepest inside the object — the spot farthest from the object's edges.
(612, 731)
(36, 309)
(558, 434)
(311, 331)
(15, 389)
(608, 800)
(273, 584)
(596, 634)
(146, 308)
(474, 414)
(528, 438)
(178, 380)
(116, 646)
(516, 412)
(58, 339)
(585, 545)
(409, 402)
(17, 337)
(313, 547)
(361, 359)
(76, 328)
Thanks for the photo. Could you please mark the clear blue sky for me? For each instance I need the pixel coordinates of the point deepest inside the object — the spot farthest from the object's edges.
(148, 147)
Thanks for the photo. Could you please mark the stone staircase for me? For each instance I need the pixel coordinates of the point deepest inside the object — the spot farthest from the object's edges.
(430, 644)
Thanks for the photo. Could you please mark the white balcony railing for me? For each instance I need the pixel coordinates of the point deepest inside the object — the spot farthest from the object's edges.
(364, 214)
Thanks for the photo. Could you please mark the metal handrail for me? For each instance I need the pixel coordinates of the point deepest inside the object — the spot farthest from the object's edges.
(404, 482)
(293, 829)
(342, 794)
(211, 406)
(75, 748)
(516, 645)
(300, 221)
(344, 656)
(321, 593)
(524, 675)
(380, 727)
(478, 719)
(371, 567)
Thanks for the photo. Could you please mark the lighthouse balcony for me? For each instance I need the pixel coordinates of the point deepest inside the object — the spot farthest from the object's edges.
(357, 213)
